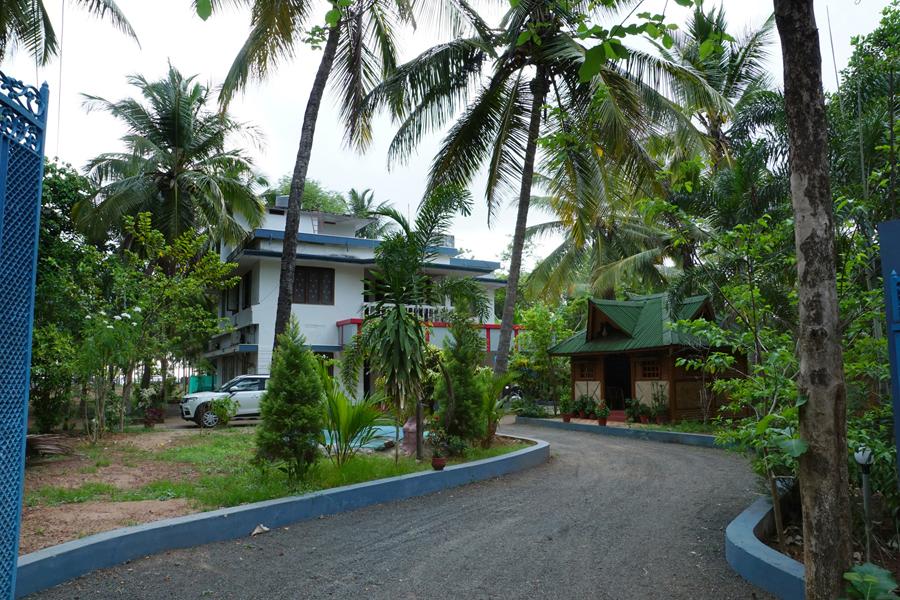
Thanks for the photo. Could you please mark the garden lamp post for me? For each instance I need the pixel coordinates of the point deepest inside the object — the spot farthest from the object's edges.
(864, 459)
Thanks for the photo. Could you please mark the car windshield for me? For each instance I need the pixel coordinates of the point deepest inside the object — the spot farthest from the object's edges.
(230, 384)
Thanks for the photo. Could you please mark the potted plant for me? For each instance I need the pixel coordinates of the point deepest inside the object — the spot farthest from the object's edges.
(438, 441)
(565, 408)
(660, 404)
(602, 414)
(633, 410)
(582, 406)
(645, 412)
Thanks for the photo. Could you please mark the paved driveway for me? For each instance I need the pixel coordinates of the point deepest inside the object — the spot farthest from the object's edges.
(605, 518)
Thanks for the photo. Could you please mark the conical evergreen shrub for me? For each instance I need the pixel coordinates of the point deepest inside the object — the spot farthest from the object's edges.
(291, 407)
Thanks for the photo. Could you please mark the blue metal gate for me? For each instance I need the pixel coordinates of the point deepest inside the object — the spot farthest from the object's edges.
(23, 121)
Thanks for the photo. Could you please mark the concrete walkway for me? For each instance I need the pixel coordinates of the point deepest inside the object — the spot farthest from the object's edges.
(606, 518)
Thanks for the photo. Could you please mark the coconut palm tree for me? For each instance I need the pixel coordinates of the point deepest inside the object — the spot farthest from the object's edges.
(362, 204)
(359, 48)
(536, 60)
(605, 242)
(26, 24)
(177, 165)
(735, 66)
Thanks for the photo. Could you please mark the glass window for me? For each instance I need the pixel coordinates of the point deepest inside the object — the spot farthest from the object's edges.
(313, 285)
(246, 289)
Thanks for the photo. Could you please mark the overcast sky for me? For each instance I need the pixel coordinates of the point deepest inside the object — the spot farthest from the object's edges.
(96, 58)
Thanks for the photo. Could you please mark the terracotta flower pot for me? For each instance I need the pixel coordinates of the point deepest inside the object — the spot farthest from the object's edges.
(645, 420)
(601, 420)
(438, 463)
(567, 417)
(581, 414)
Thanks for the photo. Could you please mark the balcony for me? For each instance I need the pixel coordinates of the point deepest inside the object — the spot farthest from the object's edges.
(427, 313)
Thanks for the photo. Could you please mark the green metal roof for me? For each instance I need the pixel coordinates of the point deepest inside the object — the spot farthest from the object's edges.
(640, 322)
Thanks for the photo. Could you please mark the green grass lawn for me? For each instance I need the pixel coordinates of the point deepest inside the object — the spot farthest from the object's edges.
(221, 474)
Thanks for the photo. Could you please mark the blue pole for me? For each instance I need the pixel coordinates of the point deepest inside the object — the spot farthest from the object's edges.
(889, 241)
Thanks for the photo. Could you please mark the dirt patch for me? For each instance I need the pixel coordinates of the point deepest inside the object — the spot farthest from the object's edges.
(50, 525)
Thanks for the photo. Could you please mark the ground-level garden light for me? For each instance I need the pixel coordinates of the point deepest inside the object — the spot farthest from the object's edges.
(864, 458)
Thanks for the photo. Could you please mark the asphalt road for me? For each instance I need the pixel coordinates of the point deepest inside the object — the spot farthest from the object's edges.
(605, 518)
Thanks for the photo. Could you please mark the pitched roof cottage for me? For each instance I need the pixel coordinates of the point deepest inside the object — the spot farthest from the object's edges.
(628, 350)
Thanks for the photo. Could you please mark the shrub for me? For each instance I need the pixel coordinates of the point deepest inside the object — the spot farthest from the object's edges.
(565, 404)
(291, 407)
(225, 408)
(540, 376)
(459, 392)
(348, 425)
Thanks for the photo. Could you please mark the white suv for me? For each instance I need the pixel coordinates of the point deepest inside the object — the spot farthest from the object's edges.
(246, 389)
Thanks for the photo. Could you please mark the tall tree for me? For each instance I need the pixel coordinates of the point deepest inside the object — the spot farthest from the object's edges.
(536, 60)
(359, 47)
(26, 23)
(824, 479)
(177, 165)
(735, 66)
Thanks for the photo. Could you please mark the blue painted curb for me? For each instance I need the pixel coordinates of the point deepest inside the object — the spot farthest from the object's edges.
(51, 566)
(756, 562)
(668, 437)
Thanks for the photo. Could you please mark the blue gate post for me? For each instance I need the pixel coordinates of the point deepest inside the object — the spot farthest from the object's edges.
(889, 241)
(23, 122)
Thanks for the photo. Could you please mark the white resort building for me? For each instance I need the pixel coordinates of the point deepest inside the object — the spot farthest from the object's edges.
(329, 298)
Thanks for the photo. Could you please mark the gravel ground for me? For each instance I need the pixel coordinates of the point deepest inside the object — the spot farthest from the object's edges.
(605, 518)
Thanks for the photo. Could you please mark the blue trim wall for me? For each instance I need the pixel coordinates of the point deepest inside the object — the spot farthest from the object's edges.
(668, 437)
(51, 566)
(456, 264)
(338, 240)
(765, 567)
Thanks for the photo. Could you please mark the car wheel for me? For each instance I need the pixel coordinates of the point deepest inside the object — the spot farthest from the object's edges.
(206, 418)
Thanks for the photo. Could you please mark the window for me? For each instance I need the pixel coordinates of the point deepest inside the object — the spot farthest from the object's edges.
(233, 299)
(246, 289)
(650, 369)
(584, 370)
(313, 285)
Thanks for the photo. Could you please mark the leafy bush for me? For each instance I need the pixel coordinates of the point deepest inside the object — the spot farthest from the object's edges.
(225, 408)
(541, 377)
(566, 404)
(153, 415)
(52, 369)
(291, 407)
(459, 392)
(493, 402)
(528, 408)
(869, 582)
(349, 425)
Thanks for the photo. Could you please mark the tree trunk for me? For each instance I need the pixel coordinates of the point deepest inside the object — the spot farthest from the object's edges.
(298, 182)
(147, 375)
(539, 87)
(892, 140)
(824, 479)
(126, 395)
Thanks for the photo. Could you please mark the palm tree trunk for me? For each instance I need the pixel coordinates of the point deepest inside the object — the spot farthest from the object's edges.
(298, 182)
(824, 479)
(539, 87)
